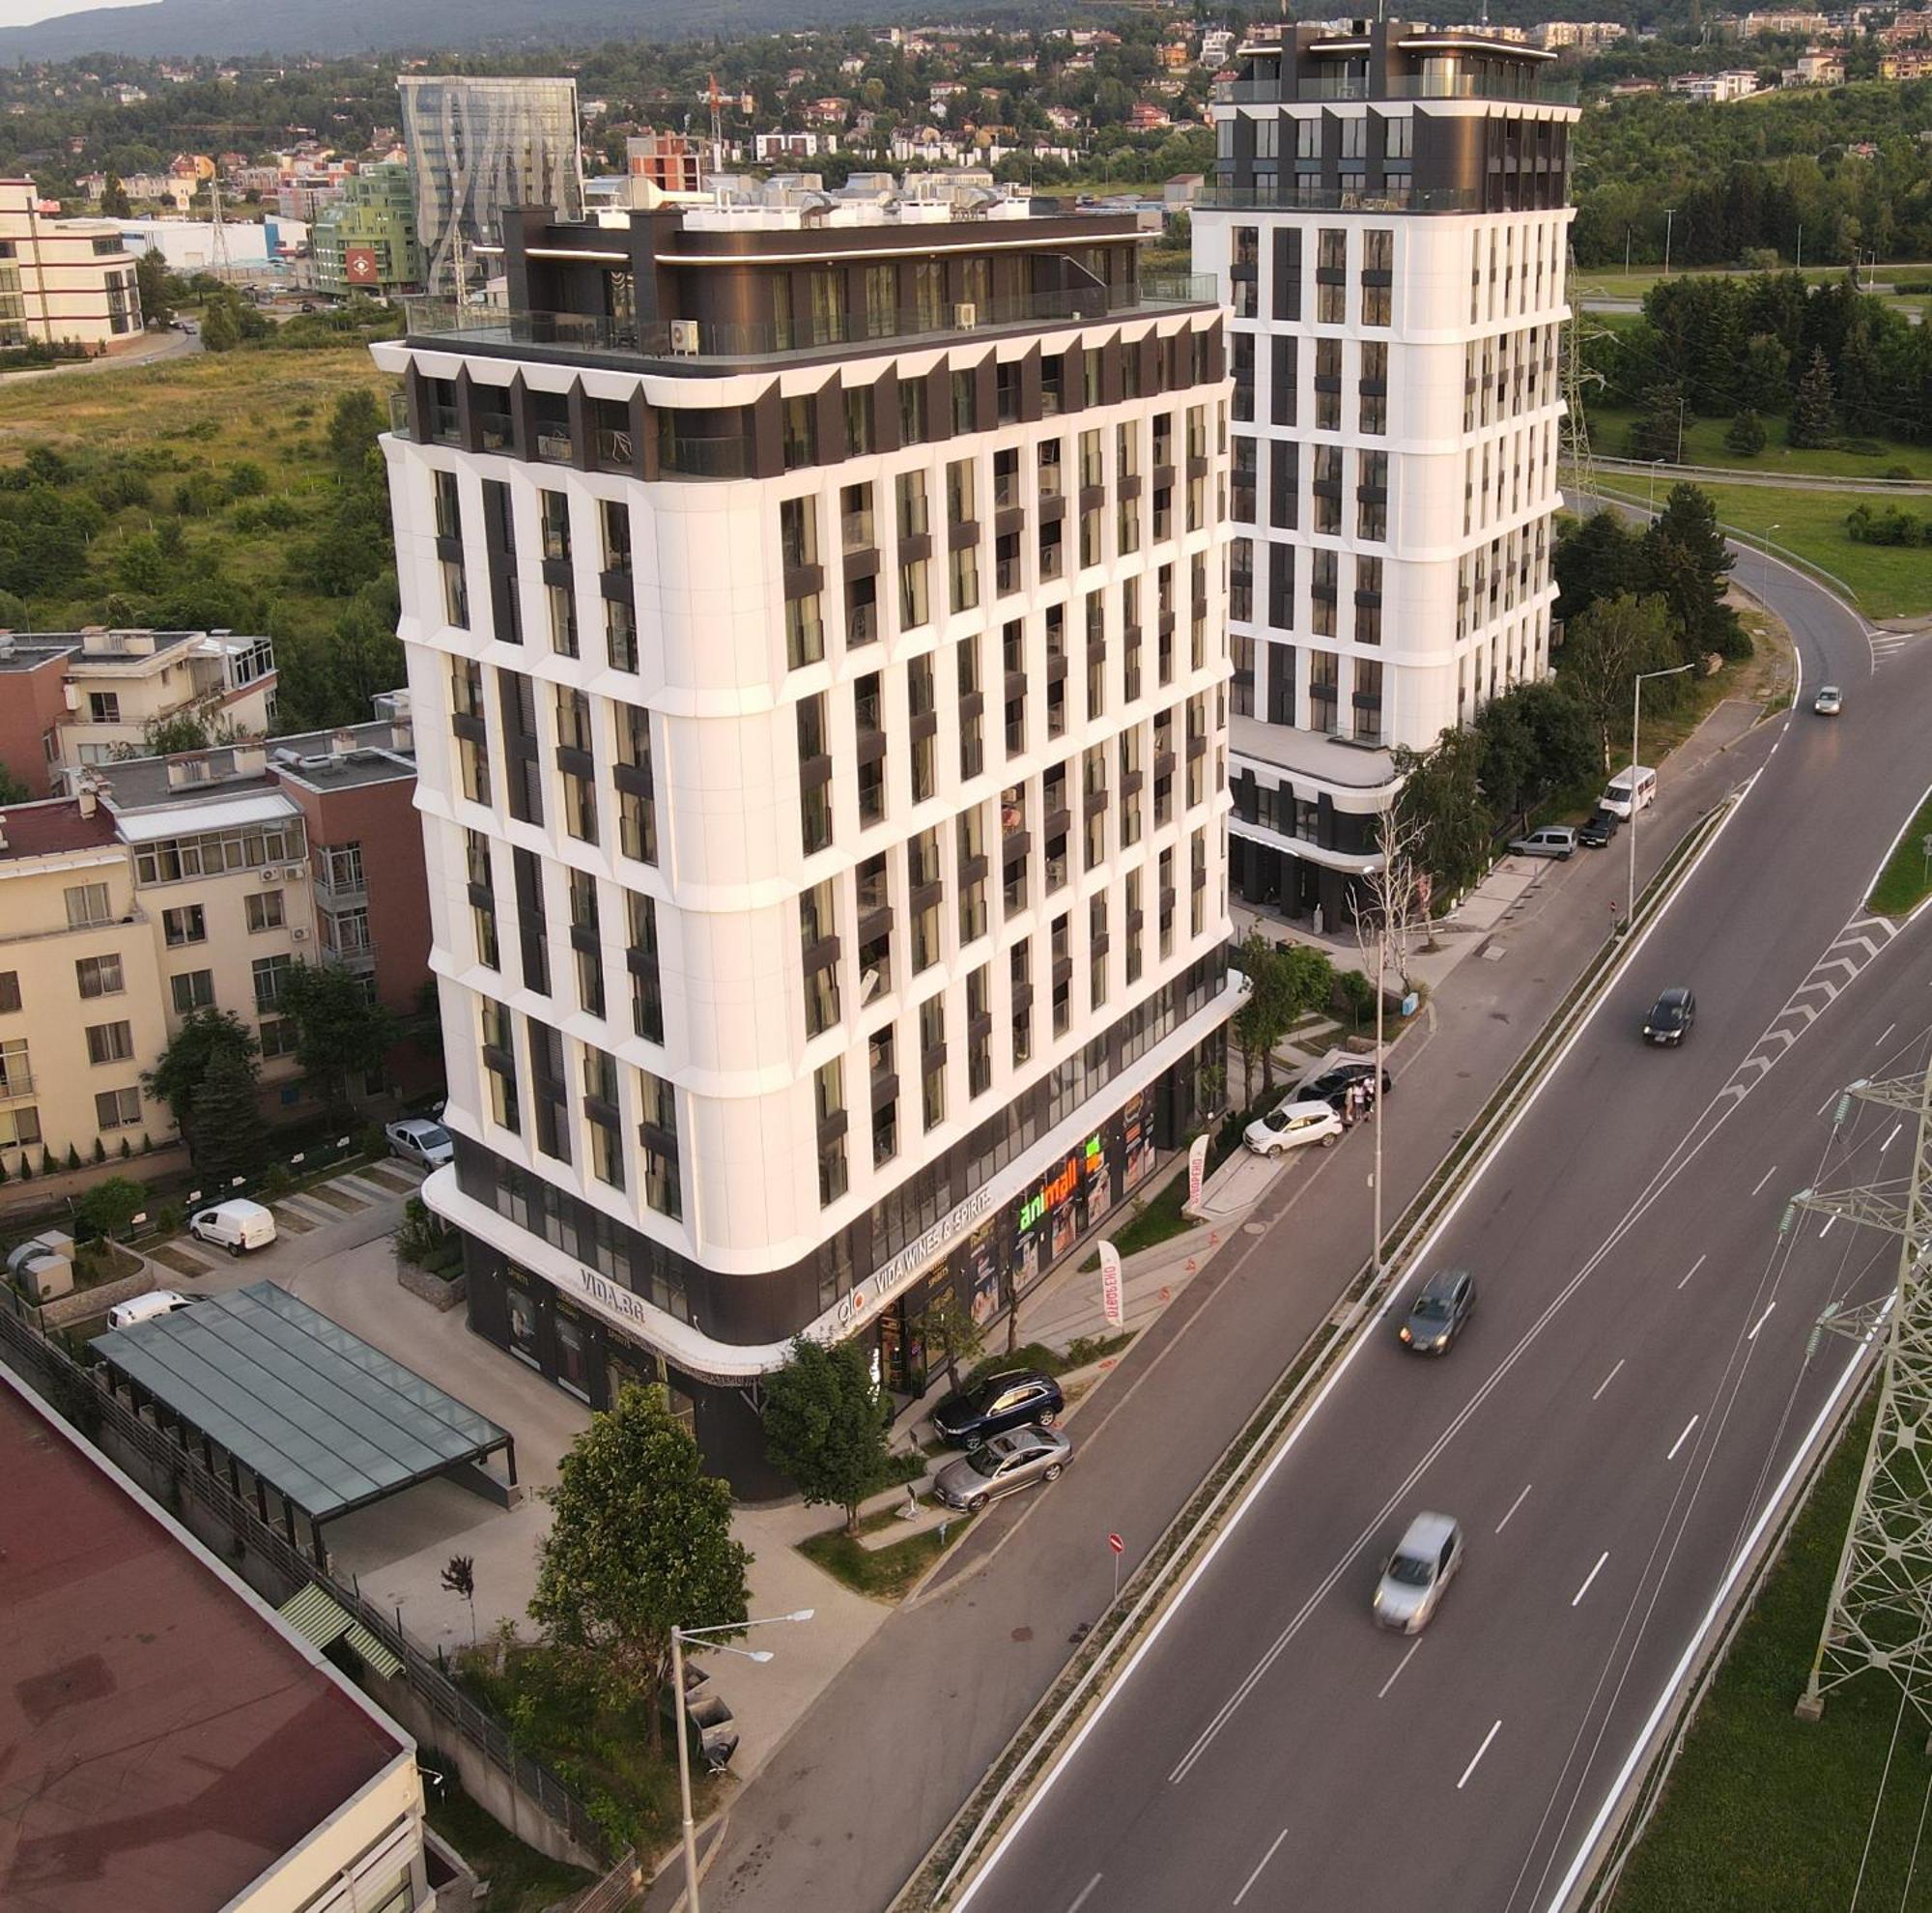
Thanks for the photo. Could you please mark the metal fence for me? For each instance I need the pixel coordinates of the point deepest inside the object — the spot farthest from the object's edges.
(74, 1392)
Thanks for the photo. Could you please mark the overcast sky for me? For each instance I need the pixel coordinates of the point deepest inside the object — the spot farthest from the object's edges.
(21, 13)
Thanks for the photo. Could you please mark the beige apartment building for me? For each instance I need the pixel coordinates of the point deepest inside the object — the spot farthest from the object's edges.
(74, 699)
(63, 279)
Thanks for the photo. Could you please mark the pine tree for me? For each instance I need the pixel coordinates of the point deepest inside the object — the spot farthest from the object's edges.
(1745, 437)
(1811, 407)
(1658, 434)
(1689, 566)
(228, 1139)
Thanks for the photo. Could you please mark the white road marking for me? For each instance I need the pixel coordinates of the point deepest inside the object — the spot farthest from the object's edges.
(1085, 1894)
(1514, 1506)
(1683, 1437)
(1609, 1379)
(1590, 1577)
(1403, 1663)
(1889, 1028)
(1760, 1322)
(1891, 1139)
(1764, 1178)
(1256, 1874)
(1480, 1752)
(1693, 1269)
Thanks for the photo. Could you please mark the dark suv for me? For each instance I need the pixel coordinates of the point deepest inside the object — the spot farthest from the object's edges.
(1332, 1085)
(1012, 1400)
(1601, 828)
(1436, 1317)
(1670, 1017)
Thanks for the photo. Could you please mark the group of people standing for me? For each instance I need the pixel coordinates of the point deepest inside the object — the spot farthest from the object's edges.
(1357, 1100)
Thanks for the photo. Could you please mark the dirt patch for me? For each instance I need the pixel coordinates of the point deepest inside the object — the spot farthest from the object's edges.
(336, 1198)
(390, 1179)
(296, 1223)
(179, 1260)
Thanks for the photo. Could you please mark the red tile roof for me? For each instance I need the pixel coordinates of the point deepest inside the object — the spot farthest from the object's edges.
(161, 1744)
(44, 830)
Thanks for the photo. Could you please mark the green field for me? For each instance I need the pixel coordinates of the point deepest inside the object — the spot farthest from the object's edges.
(1612, 282)
(1704, 445)
(1907, 877)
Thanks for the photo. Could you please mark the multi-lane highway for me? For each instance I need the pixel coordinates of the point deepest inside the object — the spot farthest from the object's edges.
(1633, 1386)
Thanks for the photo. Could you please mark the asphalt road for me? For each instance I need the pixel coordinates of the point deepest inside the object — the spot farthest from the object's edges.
(1634, 1380)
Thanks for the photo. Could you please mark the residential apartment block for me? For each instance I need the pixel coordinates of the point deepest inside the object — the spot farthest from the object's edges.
(1389, 228)
(62, 280)
(814, 624)
(364, 240)
(74, 699)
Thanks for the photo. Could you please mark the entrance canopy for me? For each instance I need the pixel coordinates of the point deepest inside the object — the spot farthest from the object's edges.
(315, 1414)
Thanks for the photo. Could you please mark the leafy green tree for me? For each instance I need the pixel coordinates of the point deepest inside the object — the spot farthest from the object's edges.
(825, 1427)
(44, 537)
(1765, 378)
(1597, 557)
(353, 426)
(185, 1063)
(1560, 728)
(1811, 406)
(640, 1543)
(228, 1136)
(1509, 767)
(1746, 435)
(221, 326)
(151, 277)
(339, 1033)
(1658, 431)
(1689, 566)
(114, 201)
(109, 1208)
(11, 790)
(1603, 649)
(1442, 803)
(952, 1333)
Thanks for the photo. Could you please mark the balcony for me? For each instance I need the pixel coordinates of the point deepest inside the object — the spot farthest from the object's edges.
(1333, 199)
(1526, 87)
(593, 335)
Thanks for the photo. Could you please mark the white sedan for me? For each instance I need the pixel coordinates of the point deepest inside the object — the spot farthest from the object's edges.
(1829, 701)
(416, 1139)
(1292, 1125)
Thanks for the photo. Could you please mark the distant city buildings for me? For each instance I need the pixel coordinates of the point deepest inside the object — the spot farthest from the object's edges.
(1584, 35)
(366, 241)
(478, 147)
(62, 281)
(1735, 83)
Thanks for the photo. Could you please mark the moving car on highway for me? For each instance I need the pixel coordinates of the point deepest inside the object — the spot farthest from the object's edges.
(1290, 1124)
(1441, 1308)
(988, 1408)
(1670, 1016)
(1829, 701)
(1424, 1564)
(1004, 1465)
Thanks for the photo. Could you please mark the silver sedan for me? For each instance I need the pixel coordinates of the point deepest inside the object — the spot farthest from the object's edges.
(1008, 1462)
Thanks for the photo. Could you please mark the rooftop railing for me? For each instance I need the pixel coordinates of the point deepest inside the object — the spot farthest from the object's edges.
(1529, 88)
(1287, 195)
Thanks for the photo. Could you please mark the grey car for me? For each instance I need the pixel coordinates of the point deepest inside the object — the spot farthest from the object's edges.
(1441, 1308)
(1008, 1462)
(1424, 1564)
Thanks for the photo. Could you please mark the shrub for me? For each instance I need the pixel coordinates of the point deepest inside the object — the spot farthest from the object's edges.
(276, 1181)
(108, 1208)
(126, 1149)
(419, 1234)
(1357, 994)
(170, 1220)
(1901, 471)
(1888, 525)
(47, 1164)
(73, 1157)
(100, 1149)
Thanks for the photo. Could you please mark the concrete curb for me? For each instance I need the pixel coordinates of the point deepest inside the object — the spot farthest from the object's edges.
(965, 1844)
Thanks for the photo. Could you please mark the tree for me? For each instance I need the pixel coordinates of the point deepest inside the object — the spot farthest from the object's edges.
(185, 1063)
(114, 201)
(1603, 651)
(1392, 897)
(339, 1033)
(949, 1328)
(151, 277)
(228, 1139)
(1598, 557)
(640, 1543)
(1658, 431)
(1746, 435)
(459, 1577)
(353, 426)
(11, 790)
(109, 1208)
(1812, 403)
(1689, 566)
(1440, 802)
(220, 329)
(825, 1425)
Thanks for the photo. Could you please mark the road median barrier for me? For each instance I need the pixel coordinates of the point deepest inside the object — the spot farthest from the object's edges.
(991, 1809)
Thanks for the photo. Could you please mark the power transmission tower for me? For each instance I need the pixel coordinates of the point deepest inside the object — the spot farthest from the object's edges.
(218, 239)
(1880, 1614)
(1573, 449)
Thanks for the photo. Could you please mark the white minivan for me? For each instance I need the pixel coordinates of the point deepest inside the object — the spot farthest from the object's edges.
(235, 1226)
(1631, 791)
(144, 1308)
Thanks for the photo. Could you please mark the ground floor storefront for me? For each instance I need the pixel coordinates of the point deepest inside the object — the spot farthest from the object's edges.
(1270, 878)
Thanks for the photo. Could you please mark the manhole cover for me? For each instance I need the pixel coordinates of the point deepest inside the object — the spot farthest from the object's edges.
(1252, 1229)
(1022, 1633)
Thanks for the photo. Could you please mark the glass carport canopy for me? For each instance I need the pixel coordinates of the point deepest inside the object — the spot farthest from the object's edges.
(315, 1414)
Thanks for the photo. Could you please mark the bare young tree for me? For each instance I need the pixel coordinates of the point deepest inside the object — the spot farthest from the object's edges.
(1392, 904)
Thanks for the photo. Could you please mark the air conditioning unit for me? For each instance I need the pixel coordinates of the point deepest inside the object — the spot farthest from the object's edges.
(271, 876)
(966, 315)
(299, 935)
(295, 872)
(683, 337)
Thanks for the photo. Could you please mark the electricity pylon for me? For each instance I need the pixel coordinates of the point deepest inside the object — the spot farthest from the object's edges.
(1880, 1614)
(1573, 447)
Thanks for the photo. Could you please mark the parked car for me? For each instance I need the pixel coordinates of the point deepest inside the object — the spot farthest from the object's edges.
(1670, 1016)
(145, 1309)
(1601, 826)
(1442, 1306)
(1003, 1466)
(1332, 1085)
(416, 1139)
(999, 1402)
(1829, 701)
(1290, 1124)
(1631, 791)
(1556, 840)
(1424, 1564)
(236, 1225)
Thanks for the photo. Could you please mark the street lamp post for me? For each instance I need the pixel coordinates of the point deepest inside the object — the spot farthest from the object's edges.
(1764, 560)
(678, 1637)
(1670, 219)
(1636, 710)
(1649, 490)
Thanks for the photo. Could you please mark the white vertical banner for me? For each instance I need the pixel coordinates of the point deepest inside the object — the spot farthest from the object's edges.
(1112, 1300)
(1197, 1169)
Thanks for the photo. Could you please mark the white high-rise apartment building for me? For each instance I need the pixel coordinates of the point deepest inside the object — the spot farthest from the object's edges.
(1389, 228)
(814, 624)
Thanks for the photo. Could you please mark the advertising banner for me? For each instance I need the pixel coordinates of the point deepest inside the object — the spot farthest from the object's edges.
(1112, 1302)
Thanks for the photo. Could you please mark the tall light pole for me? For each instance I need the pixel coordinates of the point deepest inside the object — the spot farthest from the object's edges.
(1636, 711)
(1764, 560)
(1669, 217)
(678, 1637)
(1801, 245)
(1650, 491)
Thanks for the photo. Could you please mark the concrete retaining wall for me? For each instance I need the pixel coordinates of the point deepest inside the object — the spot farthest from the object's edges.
(433, 1288)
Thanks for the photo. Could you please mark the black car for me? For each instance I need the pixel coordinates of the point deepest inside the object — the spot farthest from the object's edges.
(1331, 1086)
(1436, 1317)
(1601, 828)
(1011, 1400)
(1670, 1016)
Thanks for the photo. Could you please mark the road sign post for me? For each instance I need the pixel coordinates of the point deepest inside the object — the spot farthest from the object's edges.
(1116, 1548)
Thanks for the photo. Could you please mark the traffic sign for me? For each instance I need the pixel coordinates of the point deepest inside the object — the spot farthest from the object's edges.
(1115, 1542)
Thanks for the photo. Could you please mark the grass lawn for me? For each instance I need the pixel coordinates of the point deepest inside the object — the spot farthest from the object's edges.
(1907, 877)
(1885, 580)
(1704, 445)
(1763, 1812)
(521, 1879)
(1613, 282)
(887, 1574)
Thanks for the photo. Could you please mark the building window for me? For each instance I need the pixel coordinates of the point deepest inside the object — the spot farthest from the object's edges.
(192, 991)
(187, 925)
(646, 988)
(932, 1061)
(263, 909)
(880, 1052)
(500, 1061)
(585, 942)
(103, 707)
(268, 973)
(829, 1101)
(637, 791)
(1330, 289)
(455, 595)
(603, 1118)
(16, 1075)
(966, 669)
(798, 432)
(117, 1109)
(278, 1037)
(818, 928)
(97, 976)
(658, 1133)
(554, 519)
(87, 905)
(109, 1042)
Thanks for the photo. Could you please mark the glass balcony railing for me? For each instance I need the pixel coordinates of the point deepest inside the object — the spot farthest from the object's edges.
(1526, 87)
(1291, 196)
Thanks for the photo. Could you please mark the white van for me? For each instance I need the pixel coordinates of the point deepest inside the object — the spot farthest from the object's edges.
(1631, 791)
(144, 1308)
(235, 1226)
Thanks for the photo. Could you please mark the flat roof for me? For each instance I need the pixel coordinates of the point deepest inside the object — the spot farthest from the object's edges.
(167, 1740)
(323, 1418)
(51, 827)
(194, 808)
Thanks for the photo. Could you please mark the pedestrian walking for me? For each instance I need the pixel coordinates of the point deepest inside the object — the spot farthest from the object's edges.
(1349, 1108)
